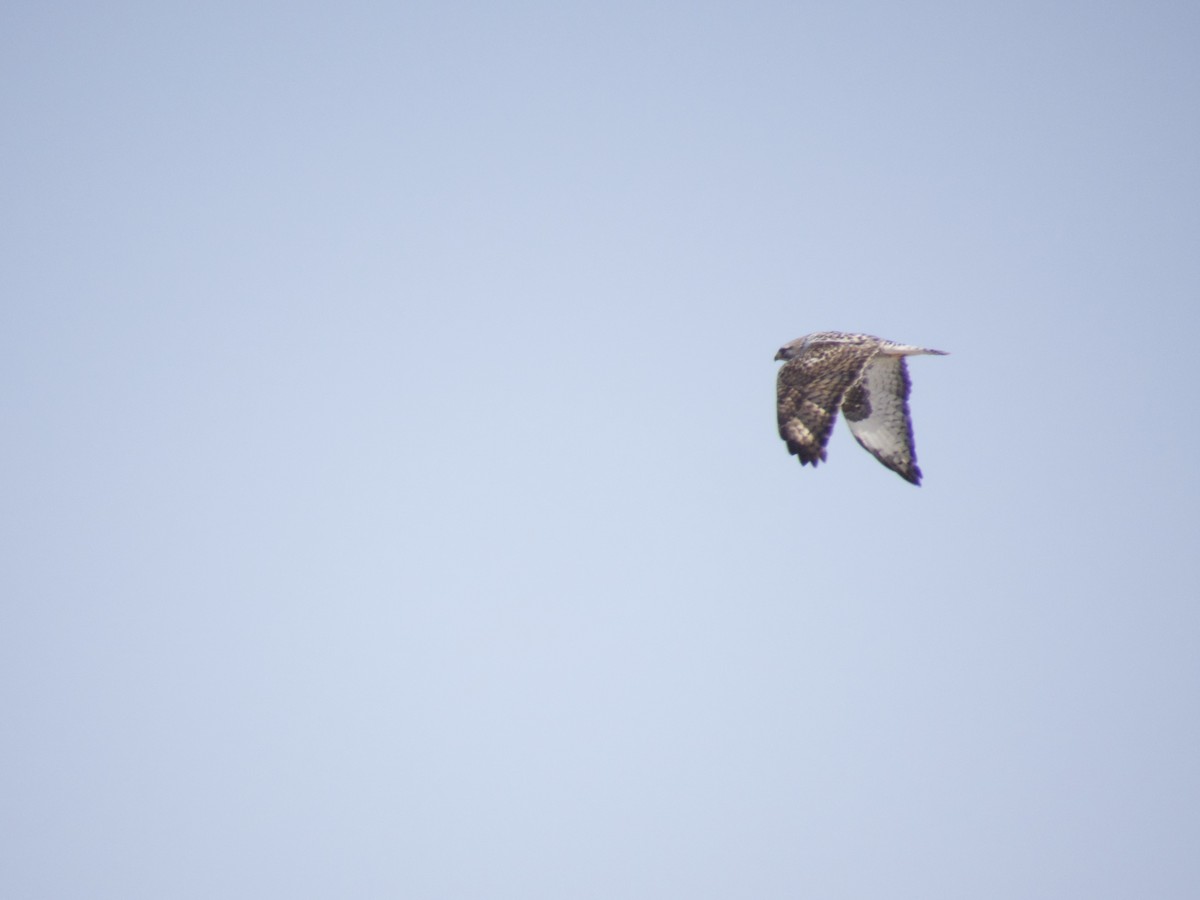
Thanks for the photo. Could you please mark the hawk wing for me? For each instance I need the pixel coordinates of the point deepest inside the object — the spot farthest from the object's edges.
(810, 390)
(876, 409)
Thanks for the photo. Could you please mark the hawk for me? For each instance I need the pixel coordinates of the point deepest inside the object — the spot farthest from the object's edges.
(867, 378)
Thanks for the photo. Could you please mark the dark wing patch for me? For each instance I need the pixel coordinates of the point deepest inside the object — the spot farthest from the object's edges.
(810, 390)
(876, 410)
(856, 405)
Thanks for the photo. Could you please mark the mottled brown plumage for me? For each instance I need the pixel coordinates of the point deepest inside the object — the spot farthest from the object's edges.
(864, 376)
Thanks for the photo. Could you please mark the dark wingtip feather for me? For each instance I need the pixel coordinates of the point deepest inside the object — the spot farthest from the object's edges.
(806, 454)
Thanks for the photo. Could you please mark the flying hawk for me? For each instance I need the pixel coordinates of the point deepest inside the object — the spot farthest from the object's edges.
(863, 375)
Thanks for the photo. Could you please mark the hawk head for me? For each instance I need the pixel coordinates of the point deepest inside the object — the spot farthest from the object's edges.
(787, 351)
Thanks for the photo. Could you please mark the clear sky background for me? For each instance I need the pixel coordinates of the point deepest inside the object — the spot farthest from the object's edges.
(391, 498)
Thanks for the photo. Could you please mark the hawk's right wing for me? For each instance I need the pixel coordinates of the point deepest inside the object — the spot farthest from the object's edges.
(810, 390)
(876, 409)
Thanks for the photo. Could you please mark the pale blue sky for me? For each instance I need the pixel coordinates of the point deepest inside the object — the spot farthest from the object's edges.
(392, 503)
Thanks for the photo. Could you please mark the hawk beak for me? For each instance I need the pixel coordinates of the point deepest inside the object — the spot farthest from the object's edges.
(779, 356)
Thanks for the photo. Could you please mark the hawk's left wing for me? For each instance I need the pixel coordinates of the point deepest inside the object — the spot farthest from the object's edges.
(809, 391)
(876, 409)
